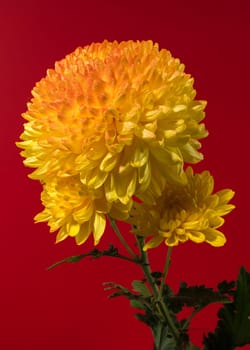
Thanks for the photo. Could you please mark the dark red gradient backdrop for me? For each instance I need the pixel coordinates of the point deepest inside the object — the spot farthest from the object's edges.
(66, 308)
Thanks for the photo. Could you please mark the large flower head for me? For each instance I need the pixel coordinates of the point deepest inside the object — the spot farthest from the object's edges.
(184, 212)
(118, 117)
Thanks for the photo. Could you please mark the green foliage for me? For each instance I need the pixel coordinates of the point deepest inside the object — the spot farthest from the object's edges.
(140, 287)
(136, 304)
(233, 328)
(162, 339)
(95, 254)
(225, 287)
(195, 296)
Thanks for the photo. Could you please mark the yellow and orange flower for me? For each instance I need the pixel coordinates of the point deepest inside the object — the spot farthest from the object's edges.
(118, 117)
(184, 212)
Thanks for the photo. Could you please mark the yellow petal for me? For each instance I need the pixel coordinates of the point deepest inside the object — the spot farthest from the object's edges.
(153, 243)
(125, 185)
(172, 240)
(191, 225)
(109, 162)
(99, 227)
(215, 237)
(110, 192)
(96, 178)
(84, 233)
(62, 234)
(224, 209)
(225, 196)
(196, 236)
(85, 213)
(144, 177)
(140, 155)
(190, 154)
(43, 216)
(96, 151)
(216, 221)
(73, 229)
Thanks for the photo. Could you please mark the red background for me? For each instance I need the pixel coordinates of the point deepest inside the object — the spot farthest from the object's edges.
(66, 308)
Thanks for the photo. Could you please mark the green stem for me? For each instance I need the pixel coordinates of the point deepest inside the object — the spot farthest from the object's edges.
(121, 238)
(169, 319)
(148, 274)
(165, 271)
(146, 267)
(188, 320)
(96, 254)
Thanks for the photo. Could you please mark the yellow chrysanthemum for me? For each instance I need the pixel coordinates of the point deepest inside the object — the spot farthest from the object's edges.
(184, 212)
(121, 117)
(72, 210)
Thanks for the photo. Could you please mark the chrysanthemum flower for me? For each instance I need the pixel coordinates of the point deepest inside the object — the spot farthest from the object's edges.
(122, 117)
(71, 209)
(184, 212)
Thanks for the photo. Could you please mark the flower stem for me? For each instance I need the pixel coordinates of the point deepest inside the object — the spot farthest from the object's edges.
(146, 267)
(188, 320)
(169, 319)
(121, 238)
(165, 271)
(156, 292)
(95, 253)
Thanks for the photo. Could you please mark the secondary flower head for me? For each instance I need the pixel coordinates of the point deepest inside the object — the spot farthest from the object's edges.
(118, 117)
(184, 212)
(71, 209)
(74, 211)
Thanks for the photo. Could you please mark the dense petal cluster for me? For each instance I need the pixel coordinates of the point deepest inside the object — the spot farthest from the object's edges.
(184, 212)
(71, 209)
(115, 118)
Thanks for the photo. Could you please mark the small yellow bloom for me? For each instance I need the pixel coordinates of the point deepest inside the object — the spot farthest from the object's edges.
(71, 209)
(191, 211)
(120, 117)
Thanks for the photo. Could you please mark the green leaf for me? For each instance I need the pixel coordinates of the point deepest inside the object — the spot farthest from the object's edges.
(118, 290)
(233, 328)
(200, 296)
(193, 296)
(70, 259)
(241, 320)
(218, 340)
(147, 318)
(140, 287)
(137, 304)
(225, 287)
